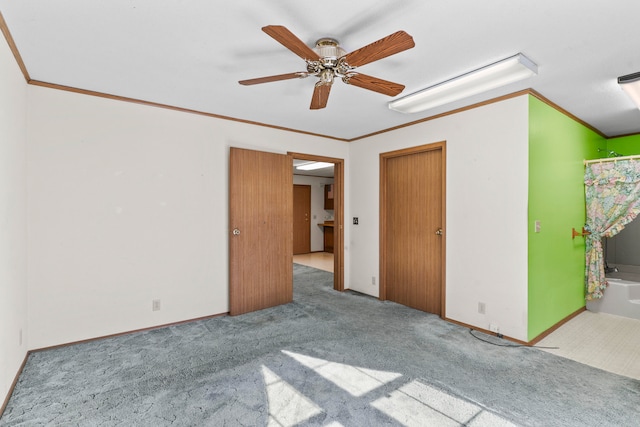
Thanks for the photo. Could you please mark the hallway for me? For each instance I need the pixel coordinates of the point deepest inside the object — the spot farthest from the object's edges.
(319, 260)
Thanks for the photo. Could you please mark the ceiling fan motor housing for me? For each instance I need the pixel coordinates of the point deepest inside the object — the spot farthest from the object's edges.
(329, 51)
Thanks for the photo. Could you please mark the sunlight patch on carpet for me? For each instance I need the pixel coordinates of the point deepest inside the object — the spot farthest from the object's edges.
(418, 404)
(354, 380)
(287, 406)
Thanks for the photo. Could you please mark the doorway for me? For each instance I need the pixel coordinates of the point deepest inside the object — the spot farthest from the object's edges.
(331, 225)
(261, 225)
(412, 236)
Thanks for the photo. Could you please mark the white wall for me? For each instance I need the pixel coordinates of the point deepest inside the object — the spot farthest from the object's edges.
(318, 214)
(13, 229)
(486, 221)
(128, 203)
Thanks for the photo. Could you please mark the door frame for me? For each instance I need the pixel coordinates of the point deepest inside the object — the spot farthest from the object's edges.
(384, 157)
(338, 211)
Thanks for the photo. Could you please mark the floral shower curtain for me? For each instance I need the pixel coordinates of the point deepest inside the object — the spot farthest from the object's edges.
(612, 192)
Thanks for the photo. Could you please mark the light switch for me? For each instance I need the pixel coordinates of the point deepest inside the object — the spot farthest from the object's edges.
(537, 226)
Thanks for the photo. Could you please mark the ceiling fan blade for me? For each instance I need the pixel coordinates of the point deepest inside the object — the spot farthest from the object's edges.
(268, 79)
(386, 46)
(375, 84)
(320, 96)
(291, 42)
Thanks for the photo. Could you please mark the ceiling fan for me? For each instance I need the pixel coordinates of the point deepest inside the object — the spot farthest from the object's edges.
(328, 61)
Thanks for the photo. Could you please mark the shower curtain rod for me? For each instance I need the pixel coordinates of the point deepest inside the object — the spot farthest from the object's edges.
(611, 159)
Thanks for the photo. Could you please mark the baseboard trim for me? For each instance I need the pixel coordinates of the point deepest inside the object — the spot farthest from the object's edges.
(13, 384)
(556, 326)
(531, 343)
(485, 331)
(150, 328)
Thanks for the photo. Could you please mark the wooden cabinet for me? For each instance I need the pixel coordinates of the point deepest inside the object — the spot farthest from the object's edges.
(328, 225)
(328, 197)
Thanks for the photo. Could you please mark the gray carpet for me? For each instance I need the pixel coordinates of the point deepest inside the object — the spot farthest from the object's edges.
(327, 359)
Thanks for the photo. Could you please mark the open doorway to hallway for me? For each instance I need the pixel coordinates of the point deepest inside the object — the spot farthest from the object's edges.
(318, 211)
(313, 214)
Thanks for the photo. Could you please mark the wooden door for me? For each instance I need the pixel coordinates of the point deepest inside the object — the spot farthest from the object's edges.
(261, 230)
(301, 219)
(412, 224)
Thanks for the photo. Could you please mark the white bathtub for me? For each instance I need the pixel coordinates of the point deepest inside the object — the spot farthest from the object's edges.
(622, 296)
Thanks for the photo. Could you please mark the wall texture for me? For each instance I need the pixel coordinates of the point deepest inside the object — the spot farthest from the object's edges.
(557, 147)
(486, 191)
(625, 145)
(128, 203)
(13, 228)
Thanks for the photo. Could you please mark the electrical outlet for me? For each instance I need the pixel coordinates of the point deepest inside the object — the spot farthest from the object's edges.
(494, 328)
(155, 305)
(355, 220)
(373, 280)
(481, 307)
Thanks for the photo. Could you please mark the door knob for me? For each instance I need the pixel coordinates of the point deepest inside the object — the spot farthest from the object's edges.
(439, 231)
(236, 232)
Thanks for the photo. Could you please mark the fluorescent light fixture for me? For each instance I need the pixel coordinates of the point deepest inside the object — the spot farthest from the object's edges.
(313, 166)
(631, 84)
(501, 73)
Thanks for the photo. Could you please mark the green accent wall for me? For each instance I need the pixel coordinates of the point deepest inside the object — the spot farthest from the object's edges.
(625, 145)
(557, 147)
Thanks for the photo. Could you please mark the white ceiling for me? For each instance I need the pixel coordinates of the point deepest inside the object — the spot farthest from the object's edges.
(190, 54)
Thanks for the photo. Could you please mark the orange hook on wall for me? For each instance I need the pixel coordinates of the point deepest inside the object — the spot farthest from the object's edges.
(575, 233)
